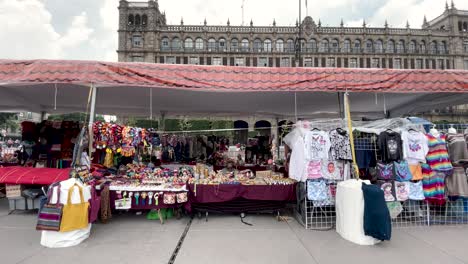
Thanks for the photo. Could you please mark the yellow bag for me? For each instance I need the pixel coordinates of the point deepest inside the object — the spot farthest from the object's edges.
(74, 216)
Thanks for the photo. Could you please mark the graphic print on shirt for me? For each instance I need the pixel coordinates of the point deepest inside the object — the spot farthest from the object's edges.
(392, 146)
(414, 145)
(402, 190)
(317, 145)
(387, 188)
(385, 171)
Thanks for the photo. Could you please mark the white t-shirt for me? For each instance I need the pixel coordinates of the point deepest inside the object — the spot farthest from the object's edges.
(297, 162)
(317, 144)
(415, 146)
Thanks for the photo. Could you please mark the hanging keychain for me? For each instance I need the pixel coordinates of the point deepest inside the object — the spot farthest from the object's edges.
(150, 198)
(130, 195)
(143, 198)
(137, 196)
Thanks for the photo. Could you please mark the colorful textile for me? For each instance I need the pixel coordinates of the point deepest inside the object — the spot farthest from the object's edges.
(317, 190)
(385, 171)
(438, 157)
(314, 169)
(415, 146)
(433, 185)
(402, 190)
(317, 145)
(340, 145)
(388, 189)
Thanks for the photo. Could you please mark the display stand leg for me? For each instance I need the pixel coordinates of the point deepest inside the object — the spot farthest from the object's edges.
(206, 217)
(428, 213)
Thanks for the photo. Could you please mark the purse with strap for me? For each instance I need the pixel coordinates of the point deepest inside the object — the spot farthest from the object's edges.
(94, 205)
(75, 216)
(50, 215)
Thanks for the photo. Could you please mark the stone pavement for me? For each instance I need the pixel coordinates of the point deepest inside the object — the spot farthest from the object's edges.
(224, 239)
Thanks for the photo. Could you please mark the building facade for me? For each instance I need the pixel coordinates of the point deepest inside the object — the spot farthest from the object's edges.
(144, 36)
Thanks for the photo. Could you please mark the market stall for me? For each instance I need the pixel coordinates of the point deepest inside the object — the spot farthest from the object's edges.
(159, 90)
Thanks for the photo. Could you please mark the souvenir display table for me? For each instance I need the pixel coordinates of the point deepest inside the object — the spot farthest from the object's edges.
(236, 198)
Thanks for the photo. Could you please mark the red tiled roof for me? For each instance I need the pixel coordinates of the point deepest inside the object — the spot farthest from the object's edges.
(232, 79)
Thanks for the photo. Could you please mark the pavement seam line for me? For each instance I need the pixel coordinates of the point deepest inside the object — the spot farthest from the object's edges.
(180, 242)
(302, 243)
(436, 247)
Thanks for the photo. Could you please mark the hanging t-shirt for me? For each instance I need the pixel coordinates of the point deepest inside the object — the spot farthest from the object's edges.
(340, 145)
(402, 171)
(297, 162)
(314, 169)
(433, 185)
(437, 157)
(416, 171)
(415, 146)
(390, 146)
(388, 189)
(335, 169)
(416, 191)
(402, 190)
(457, 148)
(385, 171)
(317, 145)
(317, 190)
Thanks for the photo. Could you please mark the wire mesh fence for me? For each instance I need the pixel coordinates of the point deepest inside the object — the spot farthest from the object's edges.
(409, 213)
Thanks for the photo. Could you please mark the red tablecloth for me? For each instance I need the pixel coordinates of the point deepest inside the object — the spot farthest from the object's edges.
(218, 195)
(40, 176)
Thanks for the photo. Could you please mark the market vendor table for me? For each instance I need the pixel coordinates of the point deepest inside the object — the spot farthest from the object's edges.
(236, 198)
(140, 206)
(26, 175)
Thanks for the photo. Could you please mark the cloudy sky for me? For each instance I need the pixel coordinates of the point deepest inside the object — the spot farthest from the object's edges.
(87, 29)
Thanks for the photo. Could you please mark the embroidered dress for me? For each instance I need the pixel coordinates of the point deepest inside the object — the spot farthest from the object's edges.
(438, 157)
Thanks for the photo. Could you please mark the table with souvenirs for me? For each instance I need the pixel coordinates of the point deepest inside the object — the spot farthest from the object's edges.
(234, 191)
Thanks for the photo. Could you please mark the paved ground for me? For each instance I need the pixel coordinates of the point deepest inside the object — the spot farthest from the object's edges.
(224, 239)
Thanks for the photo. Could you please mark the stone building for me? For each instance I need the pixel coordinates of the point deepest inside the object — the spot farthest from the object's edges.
(145, 36)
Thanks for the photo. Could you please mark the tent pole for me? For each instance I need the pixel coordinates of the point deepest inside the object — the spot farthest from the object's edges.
(295, 105)
(91, 119)
(351, 136)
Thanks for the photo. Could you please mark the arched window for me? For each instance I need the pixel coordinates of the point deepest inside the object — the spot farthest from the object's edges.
(188, 44)
(379, 46)
(347, 46)
(422, 47)
(324, 45)
(234, 45)
(391, 46)
(433, 47)
(137, 20)
(263, 128)
(369, 46)
(412, 46)
(465, 26)
(245, 45)
(222, 44)
(400, 48)
(199, 44)
(442, 47)
(311, 45)
(212, 44)
(257, 46)
(290, 45)
(131, 20)
(267, 45)
(241, 132)
(465, 46)
(357, 46)
(335, 45)
(279, 45)
(176, 44)
(144, 20)
(165, 44)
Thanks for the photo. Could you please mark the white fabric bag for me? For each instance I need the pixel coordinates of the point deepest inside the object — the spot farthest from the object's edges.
(350, 212)
(52, 239)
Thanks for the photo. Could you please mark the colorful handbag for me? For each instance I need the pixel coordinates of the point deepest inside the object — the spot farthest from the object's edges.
(50, 215)
(75, 216)
(182, 197)
(94, 205)
(169, 198)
